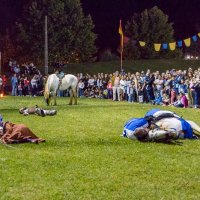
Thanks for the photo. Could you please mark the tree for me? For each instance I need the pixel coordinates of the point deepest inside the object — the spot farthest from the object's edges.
(7, 45)
(151, 26)
(70, 36)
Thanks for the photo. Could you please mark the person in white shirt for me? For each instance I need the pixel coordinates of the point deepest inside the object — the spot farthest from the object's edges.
(122, 85)
(81, 86)
(116, 88)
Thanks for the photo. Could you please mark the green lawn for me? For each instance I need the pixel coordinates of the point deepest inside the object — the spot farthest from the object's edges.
(84, 156)
(132, 65)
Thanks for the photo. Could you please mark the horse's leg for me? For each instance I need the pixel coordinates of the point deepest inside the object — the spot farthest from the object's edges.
(71, 96)
(55, 103)
(75, 96)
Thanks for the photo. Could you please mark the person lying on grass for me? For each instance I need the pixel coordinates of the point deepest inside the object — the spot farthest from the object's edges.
(11, 133)
(158, 124)
(36, 111)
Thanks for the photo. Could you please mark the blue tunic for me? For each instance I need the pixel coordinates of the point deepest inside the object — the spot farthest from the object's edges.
(152, 112)
(134, 124)
(186, 127)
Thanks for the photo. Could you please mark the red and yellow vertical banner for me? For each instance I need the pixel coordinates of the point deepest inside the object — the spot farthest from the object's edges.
(121, 35)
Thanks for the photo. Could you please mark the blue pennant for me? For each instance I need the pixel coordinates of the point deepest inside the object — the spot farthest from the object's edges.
(180, 43)
(194, 38)
(165, 46)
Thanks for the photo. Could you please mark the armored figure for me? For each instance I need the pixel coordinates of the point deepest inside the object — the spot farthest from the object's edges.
(37, 111)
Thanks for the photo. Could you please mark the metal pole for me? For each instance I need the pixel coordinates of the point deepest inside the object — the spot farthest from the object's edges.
(46, 48)
(121, 58)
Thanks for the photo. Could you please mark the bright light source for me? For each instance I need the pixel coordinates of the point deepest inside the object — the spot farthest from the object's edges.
(187, 57)
(197, 57)
(1, 95)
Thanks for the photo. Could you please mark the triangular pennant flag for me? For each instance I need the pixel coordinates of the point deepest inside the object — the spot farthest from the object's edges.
(172, 46)
(165, 46)
(187, 42)
(142, 44)
(157, 47)
(180, 43)
(194, 38)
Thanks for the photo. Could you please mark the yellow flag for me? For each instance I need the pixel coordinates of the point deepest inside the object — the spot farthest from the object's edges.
(157, 47)
(187, 42)
(199, 34)
(172, 46)
(122, 35)
(142, 44)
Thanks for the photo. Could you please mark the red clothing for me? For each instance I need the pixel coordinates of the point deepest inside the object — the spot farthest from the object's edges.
(184, 101)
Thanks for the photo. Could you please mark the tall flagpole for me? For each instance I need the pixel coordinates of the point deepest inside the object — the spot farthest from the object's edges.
(121, 58)
(121, 43)
(46, 47)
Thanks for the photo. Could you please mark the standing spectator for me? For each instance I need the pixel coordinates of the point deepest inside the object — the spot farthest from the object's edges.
(80, 88)
(140, 93)
(14, 82)
(91, 82)
(34, 85)
(20, 87)
(26, 86)
(149, 80)
(130, 93)
(122, 85)
(158, 86)
(116, 88)
(168, 83)
(109, 87)
(195, 92)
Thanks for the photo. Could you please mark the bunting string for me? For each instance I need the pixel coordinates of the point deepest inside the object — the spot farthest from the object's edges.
(173, 45)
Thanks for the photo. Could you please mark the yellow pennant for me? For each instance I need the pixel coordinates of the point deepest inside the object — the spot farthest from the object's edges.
(187, 42)
(142, 44)
(157, 47)
(172, 46)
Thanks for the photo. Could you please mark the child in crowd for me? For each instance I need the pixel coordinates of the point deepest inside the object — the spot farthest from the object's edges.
(140, 93)
(165, 99)
(182, 101)
(19, 88)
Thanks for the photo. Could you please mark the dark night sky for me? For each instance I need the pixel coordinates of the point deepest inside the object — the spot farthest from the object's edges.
(106, 14)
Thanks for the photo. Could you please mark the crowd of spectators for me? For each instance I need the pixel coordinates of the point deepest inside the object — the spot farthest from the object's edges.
(23, 80)
(180, 88)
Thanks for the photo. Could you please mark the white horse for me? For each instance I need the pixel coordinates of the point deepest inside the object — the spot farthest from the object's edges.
(53, 84)
(175, 123)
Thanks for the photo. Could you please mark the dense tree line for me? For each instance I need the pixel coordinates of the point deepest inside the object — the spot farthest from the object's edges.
(71, 34)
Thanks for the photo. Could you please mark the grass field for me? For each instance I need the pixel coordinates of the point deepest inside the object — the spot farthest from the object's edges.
(84, 156)
(133, 66)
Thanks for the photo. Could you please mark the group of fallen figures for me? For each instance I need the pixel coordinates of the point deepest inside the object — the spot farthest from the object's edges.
(160, 126)
(11, 133)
